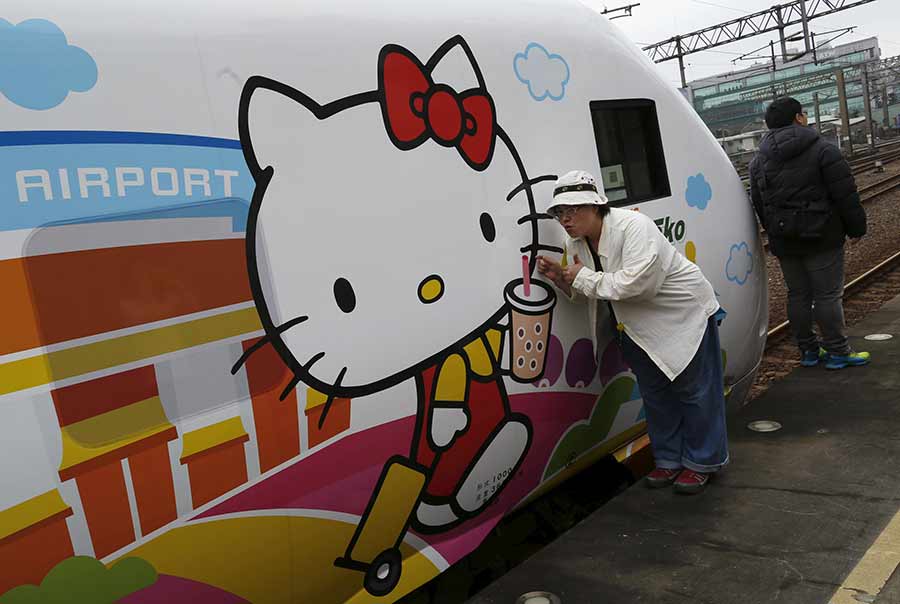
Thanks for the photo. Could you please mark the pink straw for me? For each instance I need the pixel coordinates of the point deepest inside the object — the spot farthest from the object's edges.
(526, 276)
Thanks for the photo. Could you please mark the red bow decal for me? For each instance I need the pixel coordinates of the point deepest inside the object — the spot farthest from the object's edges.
(416, 109)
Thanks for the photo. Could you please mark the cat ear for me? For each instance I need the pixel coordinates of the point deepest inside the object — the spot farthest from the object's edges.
(455, 52)
(455, 69)
(271, 120)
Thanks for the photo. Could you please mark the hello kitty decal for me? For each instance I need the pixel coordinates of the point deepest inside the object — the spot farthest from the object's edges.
(318, 209)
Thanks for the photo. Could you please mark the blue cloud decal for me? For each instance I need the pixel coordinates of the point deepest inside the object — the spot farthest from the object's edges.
(545, 74)
(38, 67)
(740, 263)
(698, 193)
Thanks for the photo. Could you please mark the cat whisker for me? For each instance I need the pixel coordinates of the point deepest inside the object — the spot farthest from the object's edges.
(542, 248)
(296, 379)
(265, 340)
(534, 217)
(287, 389)
(313, 360)
(243, 359)
(530, 183)
(328, 403)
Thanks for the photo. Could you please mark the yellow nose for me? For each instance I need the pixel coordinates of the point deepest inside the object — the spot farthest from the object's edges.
(431, 289)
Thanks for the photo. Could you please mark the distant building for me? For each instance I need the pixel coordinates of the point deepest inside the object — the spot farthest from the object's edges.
(734, 103)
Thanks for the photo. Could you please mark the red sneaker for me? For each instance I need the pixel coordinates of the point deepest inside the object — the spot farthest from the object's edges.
(661, 477)
(690, 482)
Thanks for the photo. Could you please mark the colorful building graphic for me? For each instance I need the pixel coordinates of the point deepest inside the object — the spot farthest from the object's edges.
(102, 311)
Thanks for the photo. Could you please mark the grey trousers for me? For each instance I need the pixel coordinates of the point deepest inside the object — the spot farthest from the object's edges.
(815, 285)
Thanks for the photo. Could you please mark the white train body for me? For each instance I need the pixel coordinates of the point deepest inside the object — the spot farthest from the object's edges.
(265, 335)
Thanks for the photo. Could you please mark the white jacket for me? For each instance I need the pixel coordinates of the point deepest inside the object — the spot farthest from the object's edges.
(660, 298)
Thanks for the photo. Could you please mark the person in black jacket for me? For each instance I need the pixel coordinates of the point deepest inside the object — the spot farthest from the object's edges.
(805, 196)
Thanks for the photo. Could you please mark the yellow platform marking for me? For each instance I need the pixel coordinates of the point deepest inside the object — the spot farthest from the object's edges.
(875, 567)
(28, 513)
(90, 438)
(275, 560)
(211, 436)
(63, 364)
(452, 379)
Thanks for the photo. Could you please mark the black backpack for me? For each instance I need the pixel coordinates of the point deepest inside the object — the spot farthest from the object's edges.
(789, 218)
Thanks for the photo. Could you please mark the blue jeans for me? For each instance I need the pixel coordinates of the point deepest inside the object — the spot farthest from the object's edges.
(685, 417)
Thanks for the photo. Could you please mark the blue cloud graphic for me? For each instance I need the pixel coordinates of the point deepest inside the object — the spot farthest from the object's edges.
(38, 67)
(740, 263)
(545, 74)
(698, 192)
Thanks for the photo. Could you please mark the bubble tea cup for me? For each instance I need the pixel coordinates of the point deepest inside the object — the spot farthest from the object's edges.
(530, 322)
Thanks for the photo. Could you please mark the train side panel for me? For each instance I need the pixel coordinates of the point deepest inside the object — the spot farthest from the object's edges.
(266, 332)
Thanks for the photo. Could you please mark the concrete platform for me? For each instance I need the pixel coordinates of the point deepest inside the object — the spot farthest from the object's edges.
(802, 515)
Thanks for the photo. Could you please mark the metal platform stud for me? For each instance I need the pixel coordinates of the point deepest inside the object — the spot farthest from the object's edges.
(538, 597)
(764, 425)
(878, 337)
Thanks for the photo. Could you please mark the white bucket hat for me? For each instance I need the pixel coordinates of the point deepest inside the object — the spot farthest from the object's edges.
(578, 188)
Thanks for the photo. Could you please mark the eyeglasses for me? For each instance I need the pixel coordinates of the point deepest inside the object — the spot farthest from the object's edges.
(563, 212)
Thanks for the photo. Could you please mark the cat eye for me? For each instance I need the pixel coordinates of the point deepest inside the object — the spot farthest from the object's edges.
(344, 295)
(488, 229)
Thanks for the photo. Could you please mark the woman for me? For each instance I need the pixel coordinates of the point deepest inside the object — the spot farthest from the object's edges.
(664, 312)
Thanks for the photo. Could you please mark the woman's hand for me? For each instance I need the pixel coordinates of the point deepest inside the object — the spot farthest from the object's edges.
(556, 273)
(550, 269)
(571, 271)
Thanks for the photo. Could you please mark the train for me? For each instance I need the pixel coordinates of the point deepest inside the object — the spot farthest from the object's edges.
(272, 327)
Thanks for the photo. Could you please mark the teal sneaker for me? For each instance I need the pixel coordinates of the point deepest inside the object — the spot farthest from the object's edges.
(854, 359)
(811, 358)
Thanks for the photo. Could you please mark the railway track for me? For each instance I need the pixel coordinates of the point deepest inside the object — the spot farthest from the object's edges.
(886, 185)
(854, 288)
(862, 296)
(866, 164)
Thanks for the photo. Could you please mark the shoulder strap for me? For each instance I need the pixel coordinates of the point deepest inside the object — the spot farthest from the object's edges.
(599, 266)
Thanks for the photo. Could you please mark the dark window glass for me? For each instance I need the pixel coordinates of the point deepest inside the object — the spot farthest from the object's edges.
(629, 144)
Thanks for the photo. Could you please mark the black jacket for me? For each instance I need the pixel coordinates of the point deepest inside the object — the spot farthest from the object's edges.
(795, 169)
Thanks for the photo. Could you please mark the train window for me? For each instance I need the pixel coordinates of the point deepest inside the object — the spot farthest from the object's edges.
(629, 143)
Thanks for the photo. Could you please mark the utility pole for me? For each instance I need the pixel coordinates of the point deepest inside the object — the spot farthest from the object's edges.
(681, 62)
(818, 112)
(845, 111)
(885, 106)
(867, 105)
(805, 18)
(780, 18)
(774, 70)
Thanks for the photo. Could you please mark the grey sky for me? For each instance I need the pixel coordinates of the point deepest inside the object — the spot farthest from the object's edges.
(656, 20)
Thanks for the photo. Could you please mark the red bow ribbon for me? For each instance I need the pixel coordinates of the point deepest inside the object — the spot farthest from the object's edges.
(416, 109)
